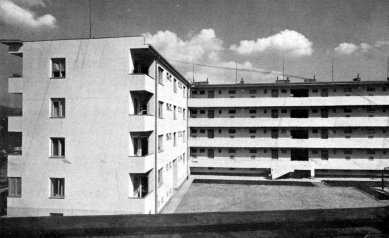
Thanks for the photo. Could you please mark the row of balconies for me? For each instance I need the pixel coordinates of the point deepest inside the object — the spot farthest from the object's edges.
(226, 142)
(330, 164)
(288, 102)
(290, 122)
(277, 91)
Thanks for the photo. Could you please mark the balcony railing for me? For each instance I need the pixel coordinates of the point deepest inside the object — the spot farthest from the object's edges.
(290, 102)
(225, 142)
(141, 164)
(15, 85)
(141, 82)
(290, 122)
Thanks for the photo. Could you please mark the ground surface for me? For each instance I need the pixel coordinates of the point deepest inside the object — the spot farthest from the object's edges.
(204, 197)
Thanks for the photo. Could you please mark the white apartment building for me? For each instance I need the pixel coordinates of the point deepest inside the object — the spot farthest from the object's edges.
(104, 128)
(319, 128)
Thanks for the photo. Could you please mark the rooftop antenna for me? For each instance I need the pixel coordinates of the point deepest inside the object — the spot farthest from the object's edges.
(283, 68)
(90, 20)
(332, 69)
(387, 68)
(193, 71)
(236, 72)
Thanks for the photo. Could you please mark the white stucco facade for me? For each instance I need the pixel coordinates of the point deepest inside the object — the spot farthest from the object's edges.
(110, 159)
(326, 128)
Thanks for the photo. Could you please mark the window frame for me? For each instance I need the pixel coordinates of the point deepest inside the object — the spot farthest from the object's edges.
(62, 74)
(61, 147)
(14, 187)
(61, 189)
(61, 105)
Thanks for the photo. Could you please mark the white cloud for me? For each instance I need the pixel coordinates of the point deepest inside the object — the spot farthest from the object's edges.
(289, 42)
(31, 3)
(15, 15)
(202, 46)
(346, 48)
(350, 48)
(381, 43)
(207, 49)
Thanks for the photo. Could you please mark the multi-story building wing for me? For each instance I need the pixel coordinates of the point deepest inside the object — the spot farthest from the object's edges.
(103, 128)
(323, 128)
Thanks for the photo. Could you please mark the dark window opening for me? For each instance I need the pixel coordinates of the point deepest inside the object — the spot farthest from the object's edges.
(211, 153)
(274, 93)
(299, 93)
(299, 134)
(274, 133)
(274, 113)
(324, 133)
(299, 113)
(324, 113)
(211, 133)
(299, 155)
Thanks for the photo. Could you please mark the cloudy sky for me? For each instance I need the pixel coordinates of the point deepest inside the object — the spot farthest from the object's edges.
(254, 35)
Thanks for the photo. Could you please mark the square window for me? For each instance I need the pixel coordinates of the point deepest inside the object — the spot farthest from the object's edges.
(253, 151)
(231, 111)
(57, 187)
(58, 68)
(57, 147)
(232, 151)
(231, 131)
(232, 91)
(252, 111)
(252, 131)
(252, 91)
(58, 107)
(14, 186)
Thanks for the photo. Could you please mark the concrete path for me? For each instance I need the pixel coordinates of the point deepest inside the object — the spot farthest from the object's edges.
(172, 205)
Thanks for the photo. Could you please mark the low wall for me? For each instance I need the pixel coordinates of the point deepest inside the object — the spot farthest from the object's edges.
(291, 220)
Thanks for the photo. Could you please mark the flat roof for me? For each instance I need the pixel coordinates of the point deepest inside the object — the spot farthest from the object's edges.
(11, 42)
(294, 84)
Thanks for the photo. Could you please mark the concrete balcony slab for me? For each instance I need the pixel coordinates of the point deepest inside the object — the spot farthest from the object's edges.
(15, 85)
(141, 82)
(141, 164)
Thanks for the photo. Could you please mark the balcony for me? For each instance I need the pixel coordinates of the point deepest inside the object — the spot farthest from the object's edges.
(290, 122)
(335, 164)
(356, 143)
(142, 205)
(288, 101)
(15, 123)
(15, 85)
(141, 82)
(141, 164)
(141, 122)
(15, 47)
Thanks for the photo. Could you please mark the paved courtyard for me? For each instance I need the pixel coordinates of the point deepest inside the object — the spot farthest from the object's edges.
(209, 197)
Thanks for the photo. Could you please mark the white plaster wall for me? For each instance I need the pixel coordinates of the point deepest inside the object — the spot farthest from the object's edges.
(166, 125)
(96, 90)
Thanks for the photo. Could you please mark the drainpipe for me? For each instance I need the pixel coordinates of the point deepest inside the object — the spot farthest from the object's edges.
(156, 135)
(187, 132)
